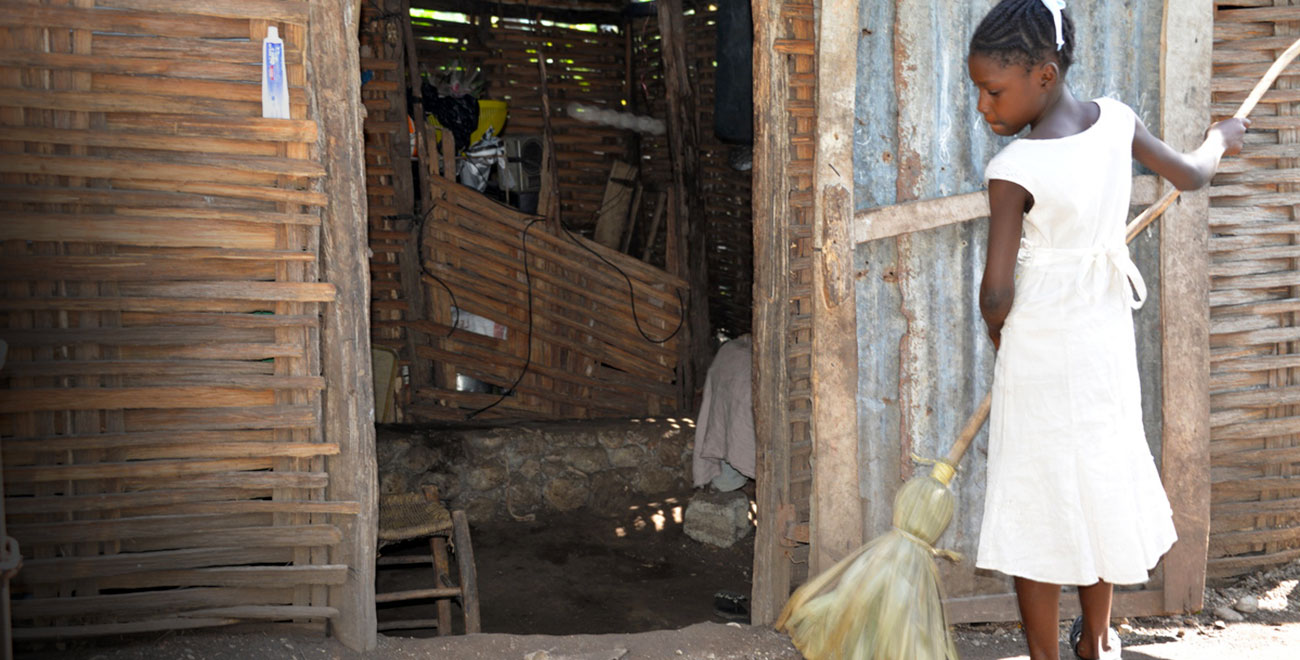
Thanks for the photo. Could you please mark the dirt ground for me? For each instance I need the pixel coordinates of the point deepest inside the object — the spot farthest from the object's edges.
(632, 585)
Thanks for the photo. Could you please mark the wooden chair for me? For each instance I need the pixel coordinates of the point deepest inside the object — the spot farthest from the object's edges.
(408, 516)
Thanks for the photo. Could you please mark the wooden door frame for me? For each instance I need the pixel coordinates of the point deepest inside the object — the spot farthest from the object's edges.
(1185, 462)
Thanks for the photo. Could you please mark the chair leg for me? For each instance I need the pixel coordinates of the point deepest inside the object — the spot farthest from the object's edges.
(468, 573)
(441, 578)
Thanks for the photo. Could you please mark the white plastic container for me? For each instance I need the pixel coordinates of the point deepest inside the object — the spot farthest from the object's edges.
(275, 88)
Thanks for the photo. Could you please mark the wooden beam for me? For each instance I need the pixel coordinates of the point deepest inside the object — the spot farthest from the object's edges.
(1002, 607)
(771, 207)
(405, 187)
(895, 219)
(572, 12)
(1184, 295)
(348, 400)
(837, 513)
(688, 221)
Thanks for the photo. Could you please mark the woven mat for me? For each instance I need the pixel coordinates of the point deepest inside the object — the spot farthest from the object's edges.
(411, 515)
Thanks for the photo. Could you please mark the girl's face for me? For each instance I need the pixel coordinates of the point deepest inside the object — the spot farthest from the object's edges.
(1011, 96)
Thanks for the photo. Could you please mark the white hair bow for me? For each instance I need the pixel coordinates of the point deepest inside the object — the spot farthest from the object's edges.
(1055, 6)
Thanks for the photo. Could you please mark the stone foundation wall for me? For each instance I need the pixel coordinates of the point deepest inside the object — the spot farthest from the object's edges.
(512, 472)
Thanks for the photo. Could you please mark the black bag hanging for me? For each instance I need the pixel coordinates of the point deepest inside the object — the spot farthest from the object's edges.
(458, 114)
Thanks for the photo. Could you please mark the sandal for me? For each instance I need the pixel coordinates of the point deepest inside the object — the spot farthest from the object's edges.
(1076, 635)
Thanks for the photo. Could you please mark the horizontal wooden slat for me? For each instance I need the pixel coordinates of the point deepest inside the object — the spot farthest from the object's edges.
(154, 569)
(171, 22)
(245, 69)
(104, 398)
(234, 576)
(287, 11)
(261, 291)
(108, 228)
(152, 469)
(135, 604)
(126, 628)
(195, 167)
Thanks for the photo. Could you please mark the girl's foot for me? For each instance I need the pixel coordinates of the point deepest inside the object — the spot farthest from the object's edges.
(1076, 636)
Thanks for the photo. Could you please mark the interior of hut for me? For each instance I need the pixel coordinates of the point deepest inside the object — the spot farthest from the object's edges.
(559, 225)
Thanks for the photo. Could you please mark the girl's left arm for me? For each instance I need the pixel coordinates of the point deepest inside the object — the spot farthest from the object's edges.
(1007, 204)
(1189, 171)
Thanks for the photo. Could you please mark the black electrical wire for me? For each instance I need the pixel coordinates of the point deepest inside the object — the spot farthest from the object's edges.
(419, 257)
(528, 352)
(631, 293)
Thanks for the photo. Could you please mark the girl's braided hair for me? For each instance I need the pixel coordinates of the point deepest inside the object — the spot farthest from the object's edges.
(1022, 32)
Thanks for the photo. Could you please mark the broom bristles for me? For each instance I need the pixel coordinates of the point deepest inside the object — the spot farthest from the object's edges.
(883, 601)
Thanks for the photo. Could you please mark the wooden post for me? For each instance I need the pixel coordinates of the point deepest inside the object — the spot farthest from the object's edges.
(836, 524)
(683, 151)
(548, 203)
(410, 260)
(348, 401)
(1184, 295)
(771, 208)
(6, 632)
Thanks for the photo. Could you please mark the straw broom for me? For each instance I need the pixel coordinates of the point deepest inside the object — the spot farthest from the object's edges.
(884, 601)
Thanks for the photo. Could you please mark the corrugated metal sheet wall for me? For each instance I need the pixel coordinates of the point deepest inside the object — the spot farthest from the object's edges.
(924, 360)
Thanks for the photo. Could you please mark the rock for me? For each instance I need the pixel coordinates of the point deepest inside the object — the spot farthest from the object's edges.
(1191, 621)
(667, 450)
(448, 485)
(529, 469)
(481, 511)
(1220, 624)
(389, 450)
(1227, 614)
(1246, 604)
(393, 483)
(420, 458)
(654, 482)
(626, 457)
(614, 440)
(718, 519)
(566, 493)
(485, 444)
(486, 477)
(587, 460)
(611, 489)
(1125, 629)
(606, 654)
(523, 501)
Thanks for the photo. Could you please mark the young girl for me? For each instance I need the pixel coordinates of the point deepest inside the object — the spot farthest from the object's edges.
(1073, 496)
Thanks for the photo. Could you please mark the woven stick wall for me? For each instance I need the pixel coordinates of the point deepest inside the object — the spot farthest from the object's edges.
(587, 356)
(727, 196)
(728, 213)
(1254, 299)
(390, 186)
(164, 465)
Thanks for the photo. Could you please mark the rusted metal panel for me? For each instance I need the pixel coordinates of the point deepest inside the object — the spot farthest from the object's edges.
(924, 362)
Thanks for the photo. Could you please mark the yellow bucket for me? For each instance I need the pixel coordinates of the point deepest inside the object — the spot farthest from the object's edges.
(490, 114)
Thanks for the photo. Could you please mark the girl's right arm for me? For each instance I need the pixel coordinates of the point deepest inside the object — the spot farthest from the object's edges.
(1008, 203)
(1189, 171)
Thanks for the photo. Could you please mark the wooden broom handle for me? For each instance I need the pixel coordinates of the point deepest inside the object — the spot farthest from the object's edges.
(1146, 217)
(968, 432)
(1135, 227)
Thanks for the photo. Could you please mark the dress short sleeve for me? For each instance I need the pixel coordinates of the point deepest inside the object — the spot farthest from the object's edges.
(1007, 167)
(1126, 117)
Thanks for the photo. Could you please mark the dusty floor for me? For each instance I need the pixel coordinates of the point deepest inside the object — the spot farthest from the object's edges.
(578, 588)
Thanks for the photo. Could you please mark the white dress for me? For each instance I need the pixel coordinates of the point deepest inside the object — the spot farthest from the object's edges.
(1073, 494)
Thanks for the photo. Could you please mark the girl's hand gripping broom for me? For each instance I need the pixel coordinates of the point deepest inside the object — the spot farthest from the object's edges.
(884, 601)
